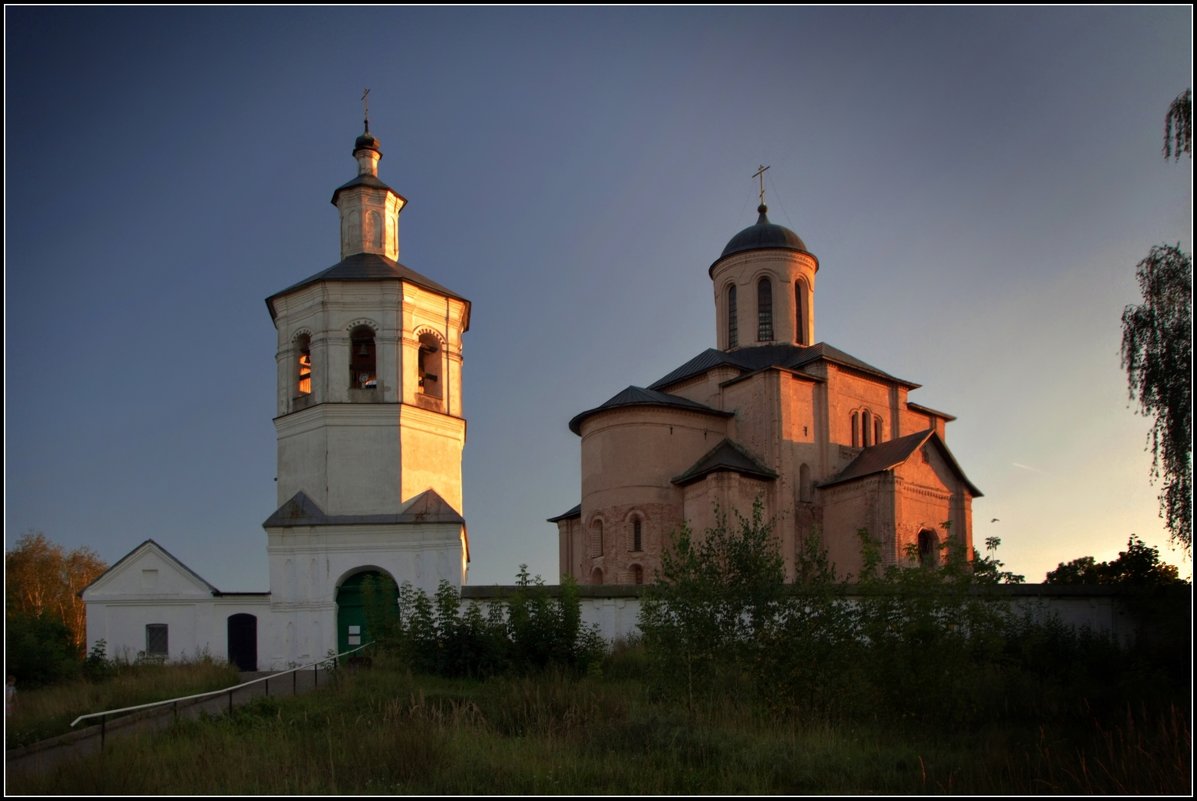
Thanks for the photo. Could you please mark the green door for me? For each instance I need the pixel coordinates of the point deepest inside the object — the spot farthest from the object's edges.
(360, 597)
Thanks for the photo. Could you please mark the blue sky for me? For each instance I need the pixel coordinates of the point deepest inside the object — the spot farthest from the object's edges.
(978, 184)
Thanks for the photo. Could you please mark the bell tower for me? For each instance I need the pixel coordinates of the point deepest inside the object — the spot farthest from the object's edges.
(368, 420)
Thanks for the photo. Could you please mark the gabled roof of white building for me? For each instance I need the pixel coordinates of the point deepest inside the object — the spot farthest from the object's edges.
(789, 357)
(427, 507)
(151, 545)
(892, 453)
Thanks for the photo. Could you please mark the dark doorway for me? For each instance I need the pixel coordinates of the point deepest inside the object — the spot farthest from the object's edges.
(243, 641)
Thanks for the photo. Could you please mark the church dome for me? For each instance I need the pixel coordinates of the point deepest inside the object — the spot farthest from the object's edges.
(367, 142)
(763, 236)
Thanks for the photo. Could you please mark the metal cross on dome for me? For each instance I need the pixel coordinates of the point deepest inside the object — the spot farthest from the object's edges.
(366, 109)
(760, 173)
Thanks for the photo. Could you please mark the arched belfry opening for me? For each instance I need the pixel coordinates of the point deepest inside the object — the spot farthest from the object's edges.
(363, 358)
(431, 376)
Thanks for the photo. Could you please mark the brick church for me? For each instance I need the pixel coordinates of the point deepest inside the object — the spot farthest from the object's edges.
(829, 443)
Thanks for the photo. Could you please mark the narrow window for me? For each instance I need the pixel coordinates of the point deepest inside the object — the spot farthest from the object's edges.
(430, 363)
(878, 430)
(363, 372)
(596, 576)
(596, 538)
(928, 548)
(637, 574)
(764, 310)
(733, 328)
(157, 645)
(856, 429)
(800, 313)
(304, 382)
(804, 485)
(376, 229)
(866, 429)
(636, 529)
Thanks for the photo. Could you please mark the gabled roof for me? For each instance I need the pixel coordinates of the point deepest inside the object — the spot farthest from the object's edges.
(365, 267)
(639, 396)
(751, 359)
(727, 456)
(574, 512)
(427, 507)
(170, 557)
(889, 455)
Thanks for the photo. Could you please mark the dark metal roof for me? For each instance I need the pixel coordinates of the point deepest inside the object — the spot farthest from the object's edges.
(427, 507)
(574, 512)
(639, 396)
(727, 456)
(763, 236)
(366, 267)
(751, 359)
(918, 407)
(888, 455)
(367, 142)
(371, 181)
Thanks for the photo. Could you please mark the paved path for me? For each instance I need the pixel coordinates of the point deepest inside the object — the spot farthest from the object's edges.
(50, 753)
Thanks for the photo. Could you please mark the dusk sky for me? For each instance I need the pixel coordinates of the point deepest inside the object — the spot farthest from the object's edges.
(977, 183)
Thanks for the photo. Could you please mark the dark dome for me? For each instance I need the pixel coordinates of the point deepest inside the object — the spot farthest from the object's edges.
(763, 235)
(367, 142)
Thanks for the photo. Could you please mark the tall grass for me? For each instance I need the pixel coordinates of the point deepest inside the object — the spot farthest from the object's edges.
(48, 711)
(387, 731)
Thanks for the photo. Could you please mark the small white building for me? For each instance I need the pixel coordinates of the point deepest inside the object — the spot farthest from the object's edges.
(370, 438)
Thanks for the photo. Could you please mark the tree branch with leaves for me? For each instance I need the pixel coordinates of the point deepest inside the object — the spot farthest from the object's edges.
(1157, 353)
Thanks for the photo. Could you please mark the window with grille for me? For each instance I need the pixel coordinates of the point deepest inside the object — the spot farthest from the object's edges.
(764, 310)
(156, 640)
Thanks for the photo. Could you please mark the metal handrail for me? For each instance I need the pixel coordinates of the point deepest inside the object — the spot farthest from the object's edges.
(104, 715)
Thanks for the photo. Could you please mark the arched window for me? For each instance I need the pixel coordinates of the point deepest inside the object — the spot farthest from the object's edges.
(596, 576)
(733, 328)
(303, 384)
(376, 229)
(878, 430)
(928, 548)
(363, 372)
(637, 529)
(866, 429)
(805, 490)
(856, 429)
(800, 313)
(764, 310)
(596, 538)
(637, 574)
(430, 365)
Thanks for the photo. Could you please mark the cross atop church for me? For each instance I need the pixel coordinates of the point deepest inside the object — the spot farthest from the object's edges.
(366, 109)
(760, 173)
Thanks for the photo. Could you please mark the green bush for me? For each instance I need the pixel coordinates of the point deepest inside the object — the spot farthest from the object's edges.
(40, 650)
(533, 631)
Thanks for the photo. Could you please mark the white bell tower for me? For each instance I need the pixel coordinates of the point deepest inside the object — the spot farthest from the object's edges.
(369, 422)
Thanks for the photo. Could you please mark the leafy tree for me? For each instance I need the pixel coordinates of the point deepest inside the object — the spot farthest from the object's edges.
(1157, 352)
(715, 601)
(1178, 127)
(43, 581)
(1139, 565)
